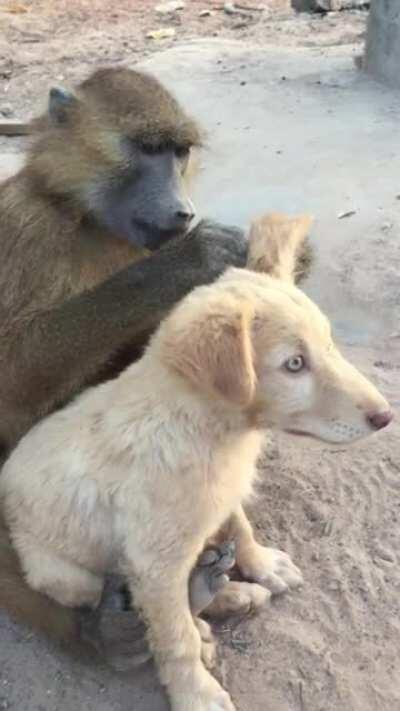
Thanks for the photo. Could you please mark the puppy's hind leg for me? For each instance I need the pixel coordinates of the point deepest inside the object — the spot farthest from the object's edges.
(66, 582)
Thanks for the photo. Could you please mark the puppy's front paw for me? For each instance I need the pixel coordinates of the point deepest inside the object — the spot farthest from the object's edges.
(272, 568)
(214, 698)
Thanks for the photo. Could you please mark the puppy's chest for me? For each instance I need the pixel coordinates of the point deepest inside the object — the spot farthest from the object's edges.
(228, 479)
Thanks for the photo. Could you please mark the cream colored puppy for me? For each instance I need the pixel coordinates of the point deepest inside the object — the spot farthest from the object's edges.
(136, 474)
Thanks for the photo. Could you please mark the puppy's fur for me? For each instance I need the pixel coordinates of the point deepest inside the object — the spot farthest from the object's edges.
(137, 473)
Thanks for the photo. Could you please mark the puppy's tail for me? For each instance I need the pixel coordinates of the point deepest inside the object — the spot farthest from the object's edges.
(305, 258)
(31, 608)
(279, 246)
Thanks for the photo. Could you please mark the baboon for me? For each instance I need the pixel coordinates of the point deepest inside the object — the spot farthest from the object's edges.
(96, 248)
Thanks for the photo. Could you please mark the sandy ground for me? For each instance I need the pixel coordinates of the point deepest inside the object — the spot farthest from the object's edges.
(43, 42)
(292, 127)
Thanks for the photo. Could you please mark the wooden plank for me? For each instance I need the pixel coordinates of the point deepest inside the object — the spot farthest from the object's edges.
(14, 128)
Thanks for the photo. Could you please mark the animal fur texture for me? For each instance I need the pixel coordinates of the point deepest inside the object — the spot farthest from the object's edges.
(80, 293)
(137, 474)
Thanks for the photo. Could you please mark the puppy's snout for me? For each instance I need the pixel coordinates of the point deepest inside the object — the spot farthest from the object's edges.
(379, 420)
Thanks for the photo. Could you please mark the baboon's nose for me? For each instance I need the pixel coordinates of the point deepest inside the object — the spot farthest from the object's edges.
(379, 420)
(184, 215)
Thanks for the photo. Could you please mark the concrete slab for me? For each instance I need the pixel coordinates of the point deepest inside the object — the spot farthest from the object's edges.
(301, 131)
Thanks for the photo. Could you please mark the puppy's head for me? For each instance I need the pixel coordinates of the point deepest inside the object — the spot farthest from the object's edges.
(256, 342)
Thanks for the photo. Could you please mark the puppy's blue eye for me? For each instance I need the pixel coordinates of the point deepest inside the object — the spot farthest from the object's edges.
(295, 364)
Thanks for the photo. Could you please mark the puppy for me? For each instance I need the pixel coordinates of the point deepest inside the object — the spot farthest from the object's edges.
(136, 474)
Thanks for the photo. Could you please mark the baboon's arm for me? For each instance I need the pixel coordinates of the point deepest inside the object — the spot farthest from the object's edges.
(54, 352)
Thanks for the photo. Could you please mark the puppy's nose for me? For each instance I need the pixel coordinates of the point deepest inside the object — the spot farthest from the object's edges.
(379, 420)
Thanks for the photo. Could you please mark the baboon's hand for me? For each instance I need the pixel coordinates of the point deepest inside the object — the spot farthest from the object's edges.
(229, 243)
(210, 248)
(210, 575)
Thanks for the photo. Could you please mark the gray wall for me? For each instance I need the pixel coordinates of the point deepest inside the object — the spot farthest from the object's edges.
(382, 57)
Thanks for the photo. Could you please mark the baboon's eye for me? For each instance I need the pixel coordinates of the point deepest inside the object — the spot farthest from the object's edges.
(150, 149)
(182, 151)
(295, 364)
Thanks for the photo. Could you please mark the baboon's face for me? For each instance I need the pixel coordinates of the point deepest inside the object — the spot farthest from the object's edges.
(147, 203)
(119, 147)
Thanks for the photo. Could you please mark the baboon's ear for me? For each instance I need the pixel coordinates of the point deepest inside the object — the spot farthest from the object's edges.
(214, 352)
(61, 102)
(274, 243)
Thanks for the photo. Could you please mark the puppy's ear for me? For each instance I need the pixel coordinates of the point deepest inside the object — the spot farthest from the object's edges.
(274, 243)
(214, 352)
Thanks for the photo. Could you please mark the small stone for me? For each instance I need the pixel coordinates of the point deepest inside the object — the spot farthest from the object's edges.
(334, 586)
(166, 7)
(206, 13)
(229, 8)
(240, 25)
(327, 527)
(6, 110)
(384, 555)
(163, 33)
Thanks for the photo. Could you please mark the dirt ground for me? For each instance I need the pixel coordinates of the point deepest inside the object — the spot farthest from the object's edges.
(334, 645)
(43, 42)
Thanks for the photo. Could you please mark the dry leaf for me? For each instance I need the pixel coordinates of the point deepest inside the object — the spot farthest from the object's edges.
(16, 9)
(349, 213)
(163, 33)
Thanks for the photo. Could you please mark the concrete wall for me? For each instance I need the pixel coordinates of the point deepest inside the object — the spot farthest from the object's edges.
(382, 56)
(329, 5)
